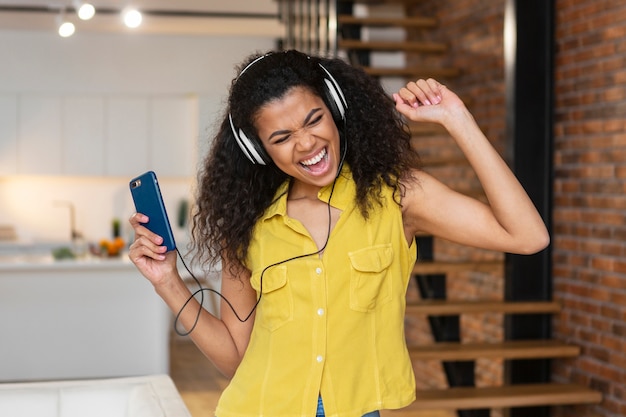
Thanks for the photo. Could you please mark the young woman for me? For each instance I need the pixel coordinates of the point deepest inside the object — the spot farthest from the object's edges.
(310, 198)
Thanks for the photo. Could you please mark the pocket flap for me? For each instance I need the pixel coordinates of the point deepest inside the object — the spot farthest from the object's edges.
(372, 259)
(274, 278)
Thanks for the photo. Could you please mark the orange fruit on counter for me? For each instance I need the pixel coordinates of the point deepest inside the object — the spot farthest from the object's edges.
(112, 248)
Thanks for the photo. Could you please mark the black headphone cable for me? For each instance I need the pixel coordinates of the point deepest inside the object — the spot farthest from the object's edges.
(202, 289)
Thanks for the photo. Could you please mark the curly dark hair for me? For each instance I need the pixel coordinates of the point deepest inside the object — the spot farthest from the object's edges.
(233, 193)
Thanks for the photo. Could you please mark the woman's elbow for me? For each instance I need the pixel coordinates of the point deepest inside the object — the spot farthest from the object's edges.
(228, 371)
(536, 243)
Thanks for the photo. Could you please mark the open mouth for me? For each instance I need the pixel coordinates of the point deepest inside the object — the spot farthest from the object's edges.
(318, 163)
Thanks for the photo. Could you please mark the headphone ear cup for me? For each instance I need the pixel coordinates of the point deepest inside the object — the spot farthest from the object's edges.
(337, 105)
(335, 98)
(334, 103)
(253, 150)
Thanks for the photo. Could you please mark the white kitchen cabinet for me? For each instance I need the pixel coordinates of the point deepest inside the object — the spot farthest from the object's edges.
(8, 134)
(127, 150)
(174, 126)
(156, 133)
(83, 136)
(77, 319)
(39, 145)
(98, 135)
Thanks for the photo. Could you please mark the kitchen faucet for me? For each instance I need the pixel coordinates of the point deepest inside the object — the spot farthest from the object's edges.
(75, 234)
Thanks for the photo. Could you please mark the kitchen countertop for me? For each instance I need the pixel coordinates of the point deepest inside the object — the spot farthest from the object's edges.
(22, 262)
(23, 256)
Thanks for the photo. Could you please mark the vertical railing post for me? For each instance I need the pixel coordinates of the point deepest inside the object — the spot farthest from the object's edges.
(529, 53)
(311, 26)
(332, 28)
(286, 12)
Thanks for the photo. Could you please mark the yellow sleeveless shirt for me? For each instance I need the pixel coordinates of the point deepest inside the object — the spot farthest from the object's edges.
(331, 325)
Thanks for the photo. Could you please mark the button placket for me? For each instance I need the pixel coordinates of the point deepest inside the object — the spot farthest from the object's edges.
(320, 312)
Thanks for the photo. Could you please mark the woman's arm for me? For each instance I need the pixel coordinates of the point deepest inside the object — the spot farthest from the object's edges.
(222, 340)
(508, 223)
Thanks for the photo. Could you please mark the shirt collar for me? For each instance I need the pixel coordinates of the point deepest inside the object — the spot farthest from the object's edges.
(343, 194)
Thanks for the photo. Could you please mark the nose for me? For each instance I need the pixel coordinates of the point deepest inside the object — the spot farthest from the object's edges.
(305, 141)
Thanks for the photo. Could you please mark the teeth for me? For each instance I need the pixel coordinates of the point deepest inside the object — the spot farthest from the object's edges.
(315, 159)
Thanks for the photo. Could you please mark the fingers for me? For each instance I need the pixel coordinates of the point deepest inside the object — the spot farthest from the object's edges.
(137, 218)
(146, 242)
(421, 93)
(149, 256)
(136, 221)
(143, 247)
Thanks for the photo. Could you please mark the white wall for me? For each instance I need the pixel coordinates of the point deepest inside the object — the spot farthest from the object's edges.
(105, 63)
(120, 63)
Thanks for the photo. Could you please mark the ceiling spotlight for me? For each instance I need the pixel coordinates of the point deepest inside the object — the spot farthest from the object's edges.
(66, 29)
(132, 18)
(85, 11)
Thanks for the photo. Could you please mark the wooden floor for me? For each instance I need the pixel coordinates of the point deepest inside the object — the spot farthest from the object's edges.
(200, 384)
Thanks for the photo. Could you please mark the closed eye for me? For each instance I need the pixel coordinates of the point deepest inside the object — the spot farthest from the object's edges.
(281, 139)
(315, 120)
(311, 123)
(311, 119)
(279, 136)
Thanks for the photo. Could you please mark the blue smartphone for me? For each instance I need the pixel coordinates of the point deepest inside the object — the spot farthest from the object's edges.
(148, 200)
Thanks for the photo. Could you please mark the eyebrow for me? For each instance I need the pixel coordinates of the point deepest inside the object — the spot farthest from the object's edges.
(307, 119)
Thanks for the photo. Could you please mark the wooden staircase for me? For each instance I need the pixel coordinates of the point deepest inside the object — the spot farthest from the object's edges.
(465, 400)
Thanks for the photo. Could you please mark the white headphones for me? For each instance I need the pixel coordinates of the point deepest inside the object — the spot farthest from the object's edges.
(335, 99)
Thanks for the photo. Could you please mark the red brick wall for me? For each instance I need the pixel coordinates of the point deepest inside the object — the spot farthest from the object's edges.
(589, 236)
(589, 240)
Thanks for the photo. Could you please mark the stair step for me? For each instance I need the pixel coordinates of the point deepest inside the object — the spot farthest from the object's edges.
(509, 349)
(413, 72)
(411, 46)
(421, 22)
(440, 267)
(453, 308)
(526, 395)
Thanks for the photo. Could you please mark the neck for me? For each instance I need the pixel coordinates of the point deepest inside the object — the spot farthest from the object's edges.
(300, 190)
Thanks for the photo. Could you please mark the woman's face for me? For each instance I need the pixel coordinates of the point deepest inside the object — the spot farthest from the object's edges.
(299, 134)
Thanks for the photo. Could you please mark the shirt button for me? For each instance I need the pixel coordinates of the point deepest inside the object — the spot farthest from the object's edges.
(319, 358)
(318, 271)
(320, 311)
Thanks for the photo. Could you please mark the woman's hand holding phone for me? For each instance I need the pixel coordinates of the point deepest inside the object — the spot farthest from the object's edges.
(148, 253)
(153, 249)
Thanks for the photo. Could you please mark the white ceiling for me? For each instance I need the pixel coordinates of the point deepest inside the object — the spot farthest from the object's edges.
(234, 17)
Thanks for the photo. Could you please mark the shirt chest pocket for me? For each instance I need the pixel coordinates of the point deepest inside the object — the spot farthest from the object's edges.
(276, 305)
(370, 284)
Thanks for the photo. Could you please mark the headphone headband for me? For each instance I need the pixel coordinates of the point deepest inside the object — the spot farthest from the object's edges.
(253, 149)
